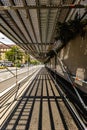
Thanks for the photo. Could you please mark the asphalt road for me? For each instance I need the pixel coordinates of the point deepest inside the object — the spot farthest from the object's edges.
(5, 74)
(7, 79)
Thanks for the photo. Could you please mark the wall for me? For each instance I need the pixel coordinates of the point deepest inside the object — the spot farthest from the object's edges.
(74, 56)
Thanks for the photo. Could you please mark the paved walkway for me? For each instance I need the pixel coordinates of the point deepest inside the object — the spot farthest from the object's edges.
(40, 108)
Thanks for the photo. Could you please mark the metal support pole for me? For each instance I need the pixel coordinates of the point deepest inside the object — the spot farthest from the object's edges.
(27, 63)
(16, 77)
(55, 66)
(9, 70)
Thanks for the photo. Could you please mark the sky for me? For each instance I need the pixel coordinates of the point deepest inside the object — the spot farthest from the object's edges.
(5, 40)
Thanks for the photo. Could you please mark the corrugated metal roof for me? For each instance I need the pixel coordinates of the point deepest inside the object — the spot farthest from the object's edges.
(32, 27)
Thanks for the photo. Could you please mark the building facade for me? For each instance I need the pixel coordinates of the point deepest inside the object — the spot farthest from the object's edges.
(3, 49)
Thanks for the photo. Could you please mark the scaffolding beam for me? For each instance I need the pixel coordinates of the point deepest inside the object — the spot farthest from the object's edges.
(43, 7)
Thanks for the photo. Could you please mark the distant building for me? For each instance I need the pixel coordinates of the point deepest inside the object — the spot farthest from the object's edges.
(3, 49)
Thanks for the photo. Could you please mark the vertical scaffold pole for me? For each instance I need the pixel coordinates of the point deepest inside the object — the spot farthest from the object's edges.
(17, 86)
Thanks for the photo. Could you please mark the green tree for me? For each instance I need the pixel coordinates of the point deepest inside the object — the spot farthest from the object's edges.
(14, 55)
(27, 58)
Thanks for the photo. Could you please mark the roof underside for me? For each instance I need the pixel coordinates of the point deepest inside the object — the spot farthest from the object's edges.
(30, 27)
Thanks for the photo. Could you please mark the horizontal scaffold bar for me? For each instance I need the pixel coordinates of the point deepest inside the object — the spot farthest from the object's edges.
(42, 7)
(40, 43)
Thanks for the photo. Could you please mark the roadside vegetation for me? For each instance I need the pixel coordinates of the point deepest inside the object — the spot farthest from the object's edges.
(15, 57)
